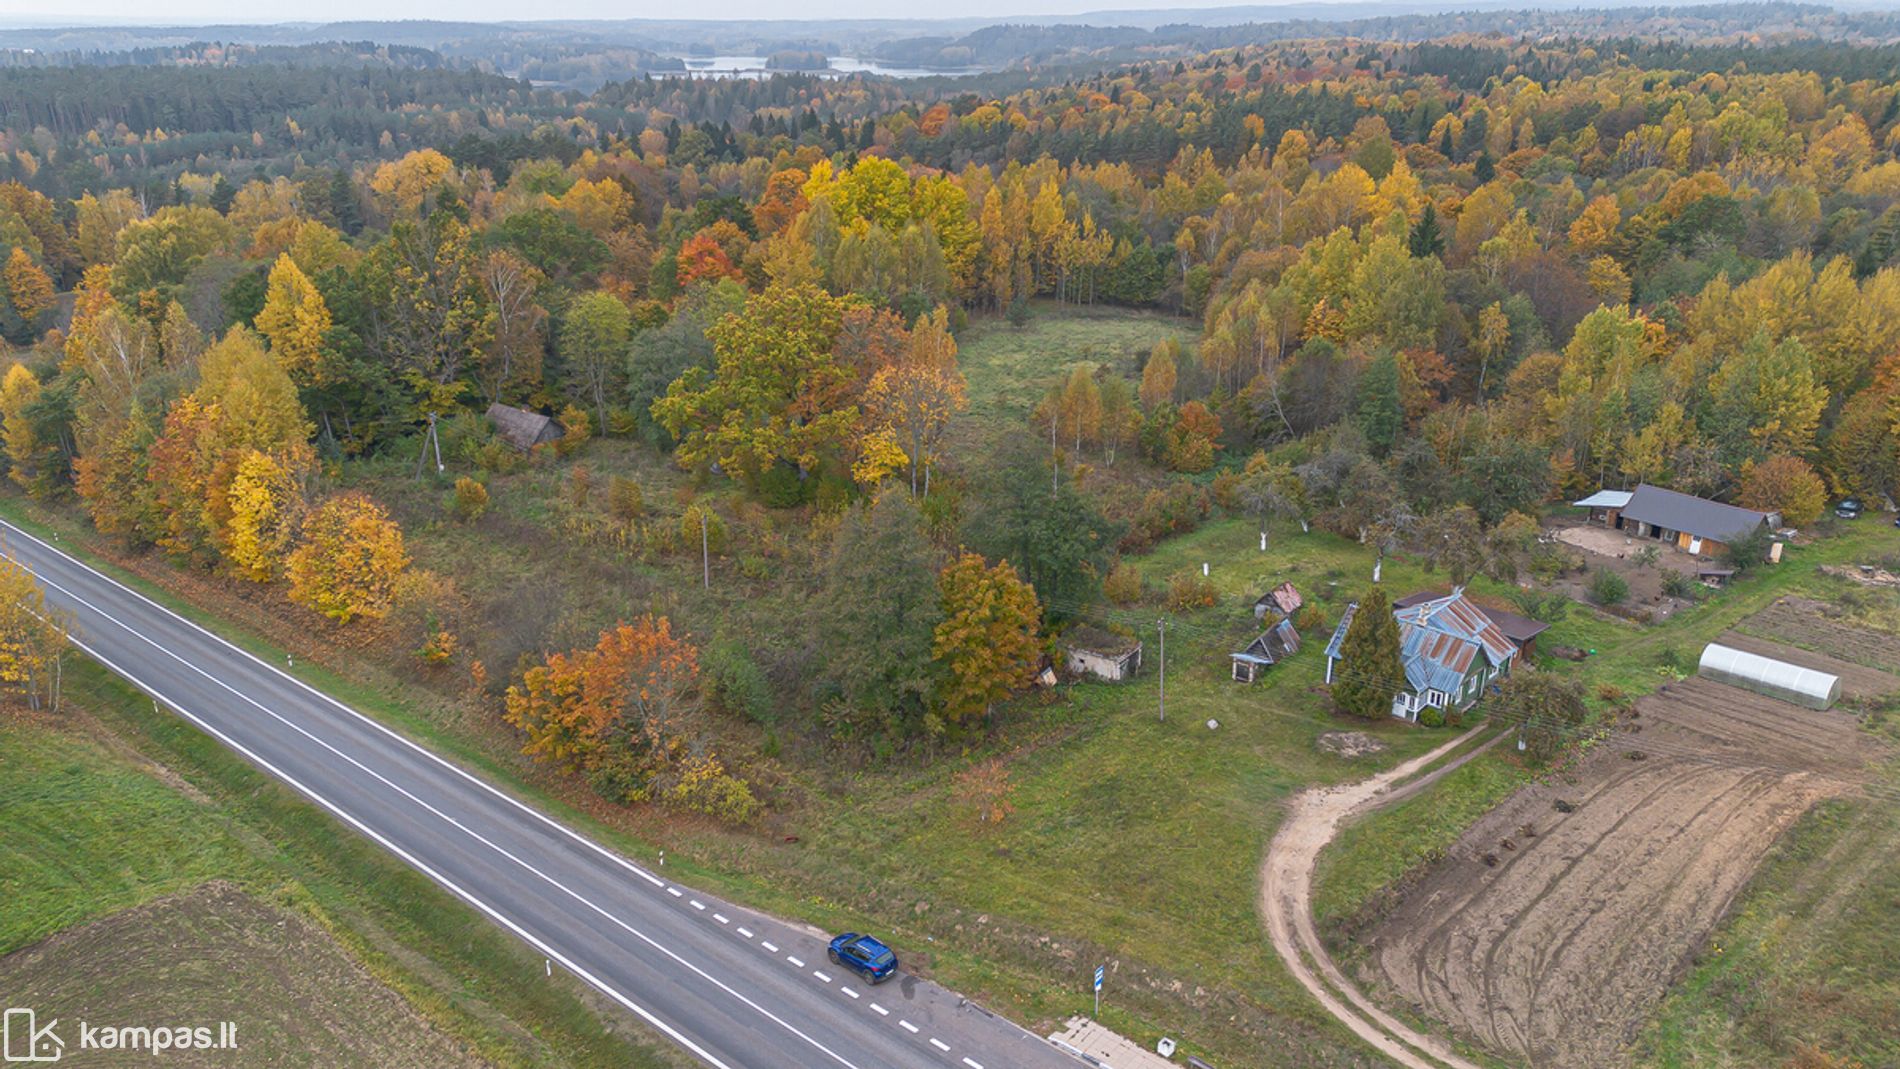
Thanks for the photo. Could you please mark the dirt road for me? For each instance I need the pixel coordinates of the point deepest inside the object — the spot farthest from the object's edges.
(1314, 817)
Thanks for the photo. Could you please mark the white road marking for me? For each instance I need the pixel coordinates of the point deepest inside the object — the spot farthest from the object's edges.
(747, 932)
(881, 1011)
(444, 881)
(674, 891)
(321, 696)
(769, 947)
(848, 991)
(721, 918)
(431, 873)
(908, 1027)
(821, 976)
(940, 1044)
(973, 1065)
(697, 904)
(795, 962)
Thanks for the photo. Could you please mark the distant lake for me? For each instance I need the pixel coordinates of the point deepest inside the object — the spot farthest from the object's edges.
(838, 67)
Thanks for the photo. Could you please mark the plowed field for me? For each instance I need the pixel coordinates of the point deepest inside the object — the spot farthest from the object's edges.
(1552, 928)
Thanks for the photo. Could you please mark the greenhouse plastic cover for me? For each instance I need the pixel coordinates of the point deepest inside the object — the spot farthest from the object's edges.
(1764, 675)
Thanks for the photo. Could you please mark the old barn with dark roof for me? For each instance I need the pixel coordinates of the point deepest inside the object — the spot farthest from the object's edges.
(1691, 524)
(521, 428)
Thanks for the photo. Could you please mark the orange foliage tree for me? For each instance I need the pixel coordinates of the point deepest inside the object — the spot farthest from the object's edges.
(624, 706)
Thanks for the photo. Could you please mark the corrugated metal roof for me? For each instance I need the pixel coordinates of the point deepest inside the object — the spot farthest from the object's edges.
(1339, 633)
(1697, 515)
(1604, 499)
(1284, 599)
(1275, 644)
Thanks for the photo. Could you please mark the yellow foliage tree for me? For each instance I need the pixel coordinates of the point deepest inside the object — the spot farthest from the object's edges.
(350, 559)
(989, 641)
(27, 285)
(878, 456)
(25, 453)
(295, 319)
(402, 185)
(31, 637)
(263, 505)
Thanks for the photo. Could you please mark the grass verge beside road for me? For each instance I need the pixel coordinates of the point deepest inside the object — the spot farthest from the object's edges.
(149, 807)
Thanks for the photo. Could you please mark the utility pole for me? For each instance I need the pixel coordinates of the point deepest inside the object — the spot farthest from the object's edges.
(1161, 626)
(430, 439)
(705, 553)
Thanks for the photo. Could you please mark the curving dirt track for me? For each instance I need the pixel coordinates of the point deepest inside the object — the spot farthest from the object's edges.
(1549, 936)
(1286, 901)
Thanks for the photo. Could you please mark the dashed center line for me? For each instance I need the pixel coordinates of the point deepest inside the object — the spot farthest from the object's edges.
(973, 1065)
(793, 961)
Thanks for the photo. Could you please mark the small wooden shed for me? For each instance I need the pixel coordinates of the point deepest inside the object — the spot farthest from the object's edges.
(521, 428)
(1274, 645)
(1282, 600)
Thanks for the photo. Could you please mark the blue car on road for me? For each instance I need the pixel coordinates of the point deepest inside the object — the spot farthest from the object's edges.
(865, 956)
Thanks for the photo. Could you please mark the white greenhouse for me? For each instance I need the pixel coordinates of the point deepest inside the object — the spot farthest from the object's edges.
(1764, 675)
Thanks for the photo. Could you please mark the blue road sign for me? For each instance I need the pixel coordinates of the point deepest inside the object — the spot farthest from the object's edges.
(1099, 969)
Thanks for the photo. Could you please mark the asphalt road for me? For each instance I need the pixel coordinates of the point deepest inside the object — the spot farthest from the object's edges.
(734, 987)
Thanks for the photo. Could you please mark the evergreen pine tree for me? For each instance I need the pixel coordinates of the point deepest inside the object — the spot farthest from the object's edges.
(1427, 239)
(1369, 673)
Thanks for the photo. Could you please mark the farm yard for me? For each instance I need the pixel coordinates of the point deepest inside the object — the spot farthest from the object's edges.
(1552, 928)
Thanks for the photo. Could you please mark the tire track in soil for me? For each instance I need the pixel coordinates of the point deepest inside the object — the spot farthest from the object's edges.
(1557, 955)
(1313, 819)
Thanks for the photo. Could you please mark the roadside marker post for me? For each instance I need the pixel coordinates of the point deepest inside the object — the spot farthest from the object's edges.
(1099, 971)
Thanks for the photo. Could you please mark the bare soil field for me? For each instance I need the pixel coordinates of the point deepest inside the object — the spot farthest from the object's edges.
(216, 954)
(1615, 551)
(1817, 626)
(1554, 926)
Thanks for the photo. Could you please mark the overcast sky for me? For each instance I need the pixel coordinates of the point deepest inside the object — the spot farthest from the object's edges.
(185, 12)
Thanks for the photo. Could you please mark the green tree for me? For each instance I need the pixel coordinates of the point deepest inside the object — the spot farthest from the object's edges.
(594, 343)
(1452, 539)
(1370, 674)
(1426, 238)
(877, 613)
(775, 395)
(1548, 710)
(1057, 539)
(1381, 412)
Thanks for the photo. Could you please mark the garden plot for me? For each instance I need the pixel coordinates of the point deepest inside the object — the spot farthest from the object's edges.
(1553, 927)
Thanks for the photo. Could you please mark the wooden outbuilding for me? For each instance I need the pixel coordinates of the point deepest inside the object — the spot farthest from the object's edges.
(1274, 645)
(521, 428)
